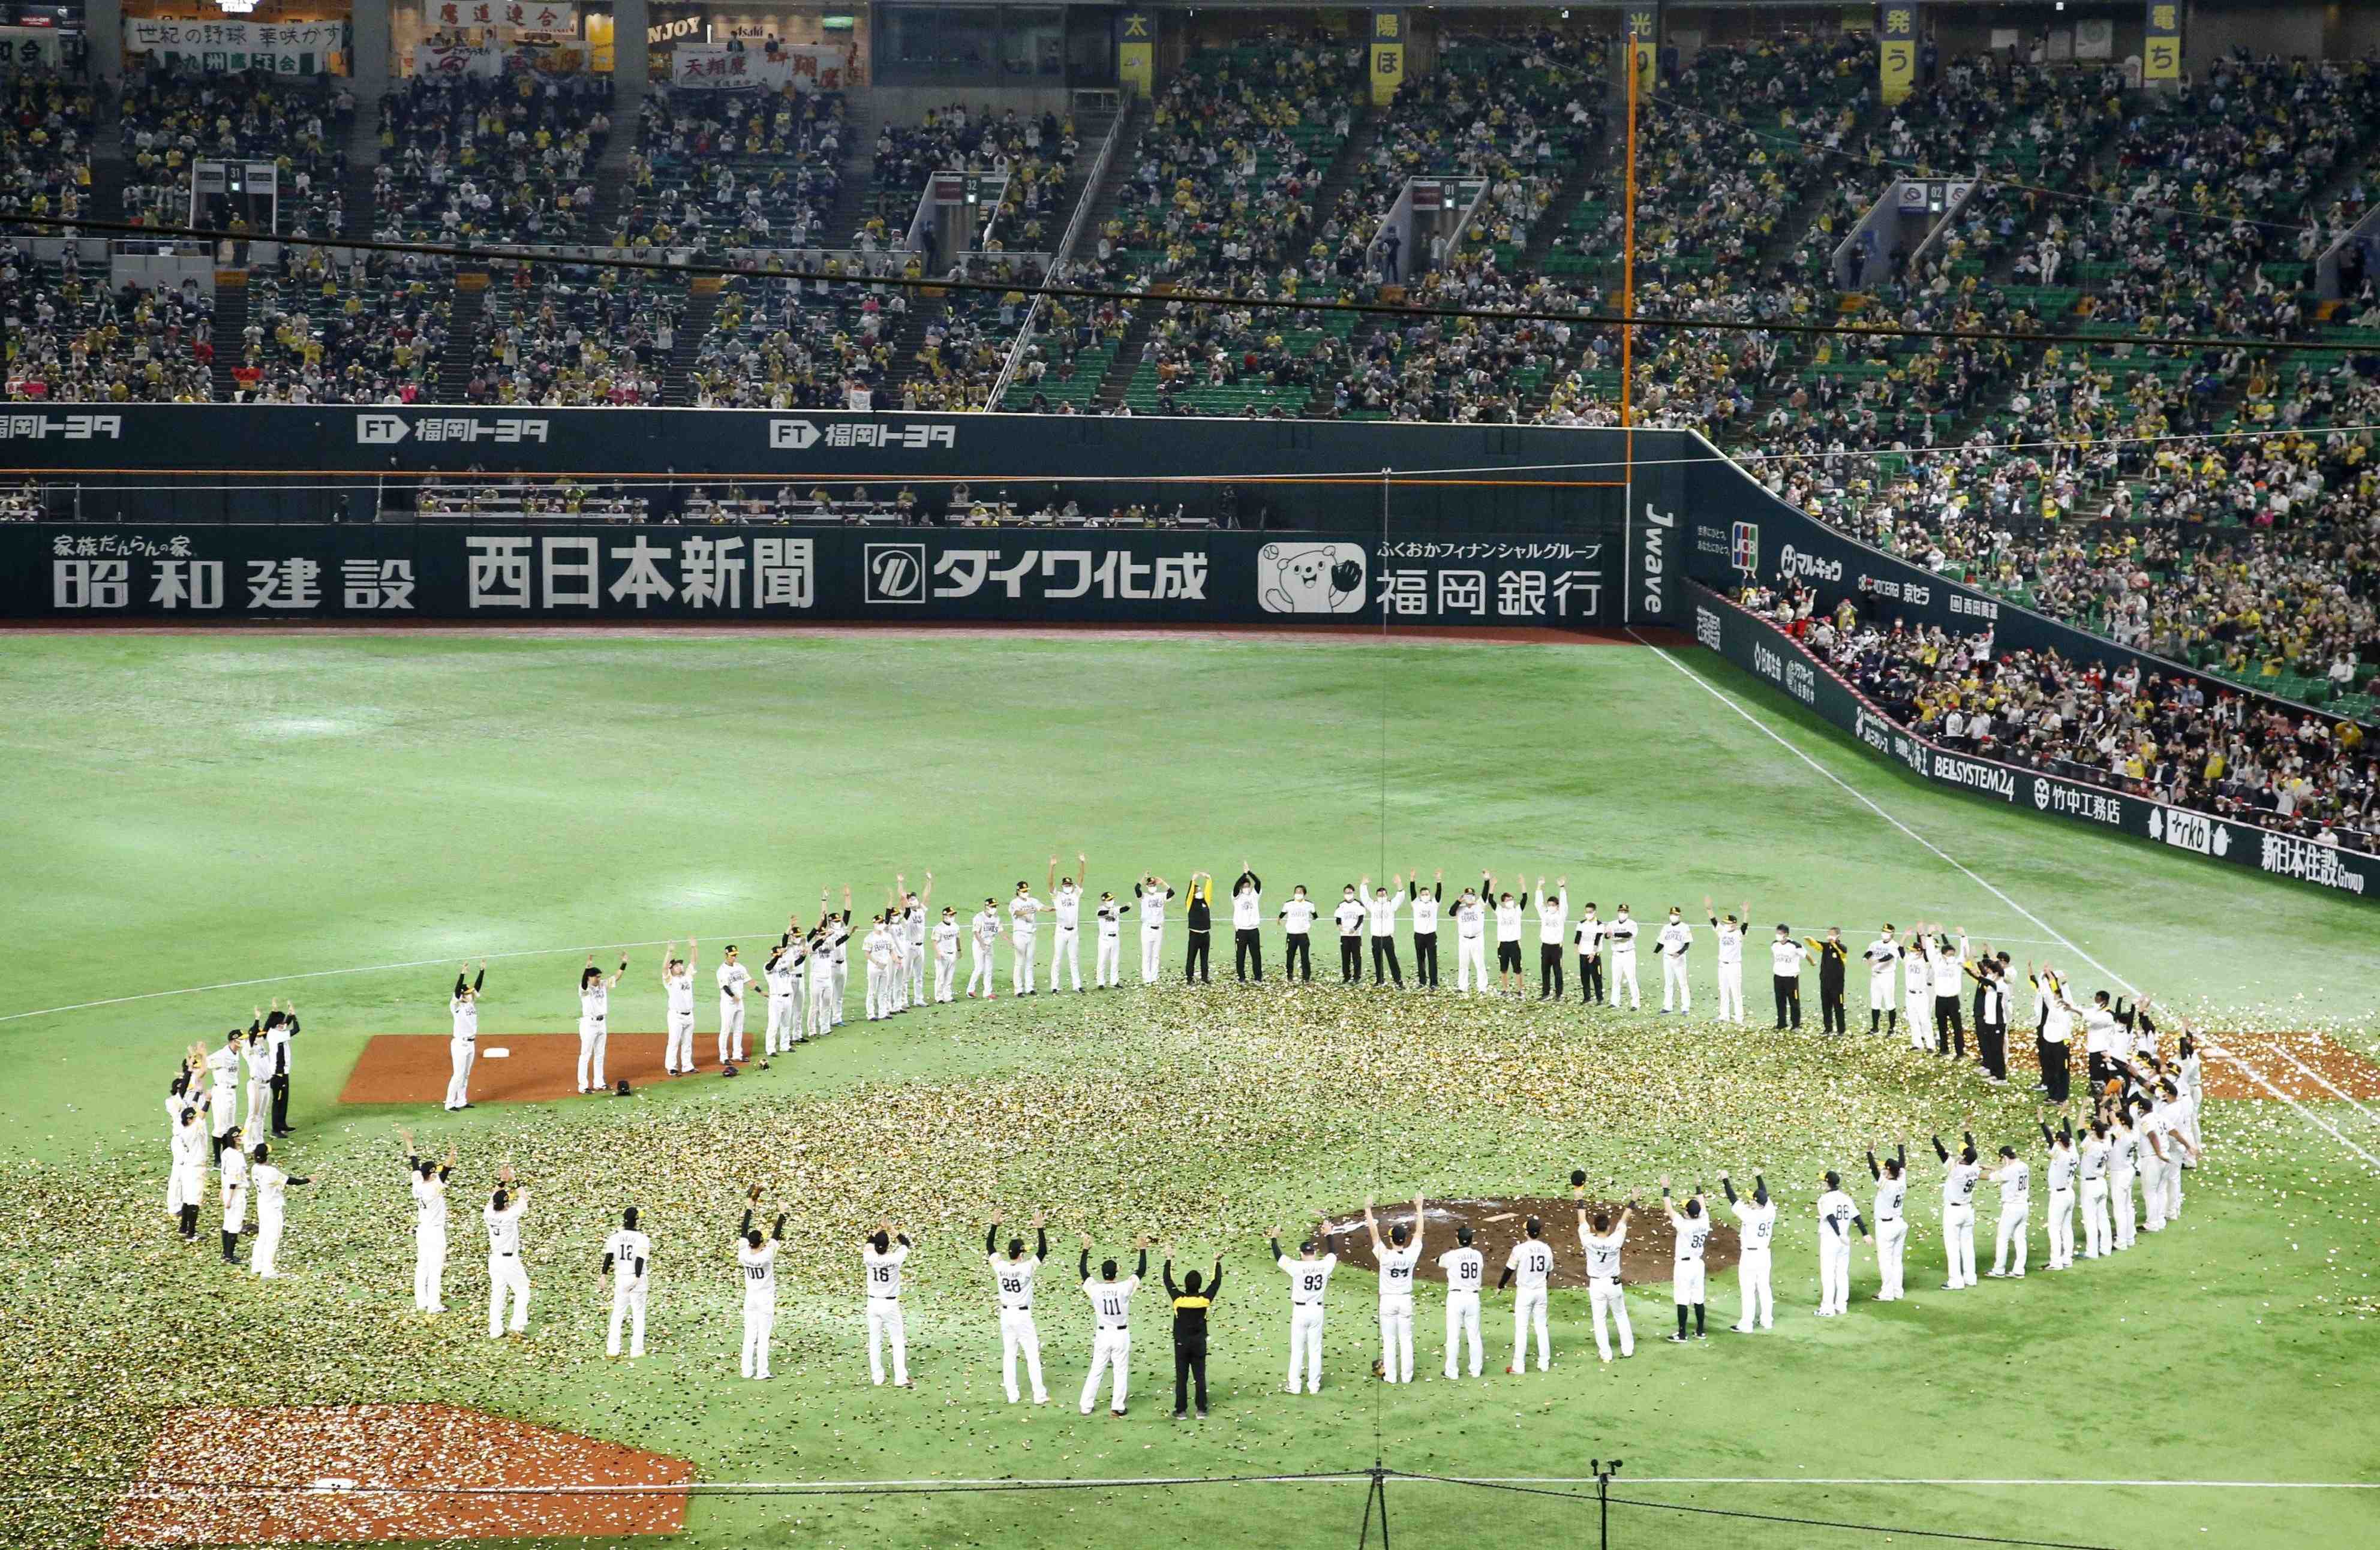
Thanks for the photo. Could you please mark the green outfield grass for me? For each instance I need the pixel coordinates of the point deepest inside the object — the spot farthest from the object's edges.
(345, 817)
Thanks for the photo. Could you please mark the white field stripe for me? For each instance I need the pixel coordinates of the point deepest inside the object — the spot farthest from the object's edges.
(2281, 1047)
(797, 1487)
(1865, 801)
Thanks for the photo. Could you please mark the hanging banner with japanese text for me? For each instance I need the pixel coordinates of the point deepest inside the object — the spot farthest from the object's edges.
(1642, 55)
(718, 68)
(1388, 55)
(299, 49)
(454, 61)
(1136, 51)
(2161, 50)
(1896, 53)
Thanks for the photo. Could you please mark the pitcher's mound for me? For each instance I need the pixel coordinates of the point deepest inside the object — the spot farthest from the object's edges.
(536, 1068)
(352, 1474)
(1496, 1225)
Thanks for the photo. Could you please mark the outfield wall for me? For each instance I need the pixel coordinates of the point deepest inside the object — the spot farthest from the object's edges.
(1769, 653)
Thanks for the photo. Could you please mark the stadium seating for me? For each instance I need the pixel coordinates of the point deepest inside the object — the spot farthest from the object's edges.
(510, 160)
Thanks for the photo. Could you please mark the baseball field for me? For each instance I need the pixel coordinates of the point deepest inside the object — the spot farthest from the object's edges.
(198, 823)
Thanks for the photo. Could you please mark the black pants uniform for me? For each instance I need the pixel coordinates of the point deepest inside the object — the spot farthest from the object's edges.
(1550, 971)
(1590, 978)
(1508, 956)
(1830, 995)
(1991, 1047)
(1189, 1362)
(1247, 953)
(2054, 1074)
(1788, 999)
(1426, 959)
(1193, 967)
(281, 1103)
(1351, 960)
(1300, 950)
(1384, 951)
(1949, 1032)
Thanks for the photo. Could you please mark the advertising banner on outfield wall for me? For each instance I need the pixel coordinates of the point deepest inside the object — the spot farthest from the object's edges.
(557, 572)
(1770, 654)
(1743, 534)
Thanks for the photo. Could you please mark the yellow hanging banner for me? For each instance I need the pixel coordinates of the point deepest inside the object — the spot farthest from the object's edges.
(1388, 55)
(2161, 59)
(1644, 25)
(1137, 52)
(1895, 53)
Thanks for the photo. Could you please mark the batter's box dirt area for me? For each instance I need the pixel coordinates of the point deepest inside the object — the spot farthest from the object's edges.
(2304, 1066)
(1496, 1225)
(535, 1067)
(355, 1474)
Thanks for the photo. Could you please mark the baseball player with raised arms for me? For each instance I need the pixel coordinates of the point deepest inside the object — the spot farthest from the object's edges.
(1958, 1180)
(1023, 926)
(257, 1057)
(1603, 1239)
(176, 1099)
(677, 990)
(1465, 1269)
(271, 1209)
(1757, 1214)
(2060, 1142)
(1066, 938)
(1917, 993)
(756, 1261)
(1730, 960)
(463, 1042)
(427, 1181)
(2091, 1161)
(234, 1186)
(1691, 1228)
(1470, 941)
(783, 972)
(1425, 929)
(914, 934)
(1397, 1259)
(1013, 1273)
(594, 1017)
(733, 976)
(192, 1144)
(1671, 944)
(1309, 1285)
(839, 943)
(1148, 900)
(1891, 1220)
(881, 1258)
(983, 931)
(1107, 970)
(1838, 1214)
(2014, 1176)
(1553, 929)
(222, 1106)
(882, 952)
(1110, 1300)
(628, 1258)
(1527, 1268)
(947, 932)
(507, 1275)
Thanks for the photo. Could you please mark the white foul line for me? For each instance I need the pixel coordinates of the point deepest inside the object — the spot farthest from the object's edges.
(1869, 803)
(796, 1488)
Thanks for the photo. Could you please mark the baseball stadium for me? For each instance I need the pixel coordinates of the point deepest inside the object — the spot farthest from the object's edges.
(921, 566)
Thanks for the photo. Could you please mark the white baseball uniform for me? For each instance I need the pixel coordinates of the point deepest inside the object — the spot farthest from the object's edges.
(758, 1268)
(1621, 934)
(1110, 1335)
(429, 1239)
(1310, 1280)
(1603, 1286)
(1892, 1235)
(507, 1276)
(1397, 1310)
(462, 1048)
(2015, 1179)
(1671, 944)
(1731, 969)
(1836, 1212)
(1108, 971)
(1532, 1264)
(732, 978)
(946, 956)
(1755, 1237)
(1692, 1233)
(1018, 1336)
(984, 934)
(631, 1253)
(1959, 1220)
(677, 1043)
(1466, 1273)
(1065, 943)
(594, 1014)
(884, 1321)
(1023, 926)
(271, 1214)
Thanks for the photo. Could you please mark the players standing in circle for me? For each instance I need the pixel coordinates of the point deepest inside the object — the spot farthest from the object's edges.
(1621, 934)
(1148, 901)
(1111, 1323)
(627, 1258)
(1424, 930)
(756, 1259)
(1881, 955)
(2014, 1176)
(1588, 937)
(1108, 969)
(1248, 924)
(1397, 1259)
(1786, 960)
(1756, 1231)
(1603, 1239)
(1297, 919)
(1066, 942)
(507, 1276)
(1465, 1269)
(427, 1182)
(1380, 907)
(1309, 1283)
(1192, 1299)
(1527, 1268)
(1692, 1229)
(463, 1042)
(880, 1259)
(678, 993)
(594, 1015)
(733, 977)
(1837, 1215)
(1730, 959)
(1013, 1273)
(947, 932)
(1670, 945)
(1349, 917)
(1891, 1221)
(984, 932)
(1958, 1180)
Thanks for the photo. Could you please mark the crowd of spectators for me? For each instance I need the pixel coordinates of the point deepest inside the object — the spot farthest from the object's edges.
(1035, 158)
(73, 337)
(175, 114)
(780, 343)
(367, 331)
(735, 170)
(577, 335)
(2154, 735)
(503, 160)
(46, 124)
